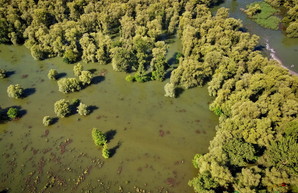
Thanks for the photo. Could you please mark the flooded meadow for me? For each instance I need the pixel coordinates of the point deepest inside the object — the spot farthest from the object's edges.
(152, 138)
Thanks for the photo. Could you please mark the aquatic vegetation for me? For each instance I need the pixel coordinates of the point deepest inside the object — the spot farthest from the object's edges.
(52, 75)
(77, 69)
(263, 14)
(67, 85)
(2, 73)
(98, 137)
(170, 90)
(15, 91)
(47, 120)
(85, 77)
(82, 109)
(105, 151)
(62, 108)
(13, 113)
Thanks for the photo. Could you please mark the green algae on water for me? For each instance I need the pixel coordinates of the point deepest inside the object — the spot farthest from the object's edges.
(263, 14)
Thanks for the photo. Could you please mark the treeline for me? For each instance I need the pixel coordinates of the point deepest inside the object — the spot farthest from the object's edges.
(291, 18)
(255, 148)
(129, 34)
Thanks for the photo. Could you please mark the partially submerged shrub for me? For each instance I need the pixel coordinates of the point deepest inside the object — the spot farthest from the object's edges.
(85, 77)
(13, 112)
(67, 85)
(52, 75)
(15, 91)
(170, 90)
(62, 108)
(105, 151)
(82, 109)
(98, 137)
(47, 120)
(2, 73)
(77, 69)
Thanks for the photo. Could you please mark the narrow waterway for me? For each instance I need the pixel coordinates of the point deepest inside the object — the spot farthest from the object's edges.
(278, 45)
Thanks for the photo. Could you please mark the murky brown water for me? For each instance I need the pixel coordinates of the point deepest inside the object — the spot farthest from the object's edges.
(154, 138)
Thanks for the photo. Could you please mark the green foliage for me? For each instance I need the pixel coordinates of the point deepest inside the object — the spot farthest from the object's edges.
(195, 160)
(15, 91)
(2, 73)
(85, 77)
(292, 30)
(77, 69)
(83, 110)
(62, 108)
(263, 14)
(130, 78)
(70, 56)
(98, 137)
(12, 113)
(52, 75)
(105, 151)
(47, 120)
(170, 90)
(239, 152)
(203, 183)
(67, 85)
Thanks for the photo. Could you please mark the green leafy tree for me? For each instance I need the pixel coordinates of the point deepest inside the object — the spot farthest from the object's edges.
(15, 91)
(170, 90)
(62, 108)
(2, 73)
(52, 75)
(98, 137)
(67, 85)
(77, 69)
(85, 77)
(12, 113)
(82, 109)
(105, 151)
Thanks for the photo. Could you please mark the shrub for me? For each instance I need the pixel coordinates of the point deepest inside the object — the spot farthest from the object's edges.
(13, 112)
(130, 78)
(170, 90)
(67, 85)
(82, 109)
(2, 73)
(15, 91)
(105, 151)
(47, 120)
(52, 75)
(98, 137)
(85, 77)
(62, 108)
(77, 69)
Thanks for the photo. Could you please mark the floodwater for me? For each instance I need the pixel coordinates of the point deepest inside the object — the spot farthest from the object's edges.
(275, 43)
(153, 138)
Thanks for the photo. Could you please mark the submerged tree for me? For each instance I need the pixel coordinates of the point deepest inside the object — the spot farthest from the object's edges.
(15, 91)
(82, 109)
(67, 85)
(62, 108)
(2, 73)
(52, 75)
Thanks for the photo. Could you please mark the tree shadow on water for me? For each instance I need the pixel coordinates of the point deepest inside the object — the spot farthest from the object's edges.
(110, 135)
(60, 75)
(114, 149)
(92, 108)
(9, 73)
(97, 79)
(28, 92)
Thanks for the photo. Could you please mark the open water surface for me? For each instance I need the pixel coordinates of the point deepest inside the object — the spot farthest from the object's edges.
(153, 138)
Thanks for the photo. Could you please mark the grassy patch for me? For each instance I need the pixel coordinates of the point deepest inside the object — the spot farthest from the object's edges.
(263, 14)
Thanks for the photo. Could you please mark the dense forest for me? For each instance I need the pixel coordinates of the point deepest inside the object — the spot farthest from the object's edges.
(256, 99)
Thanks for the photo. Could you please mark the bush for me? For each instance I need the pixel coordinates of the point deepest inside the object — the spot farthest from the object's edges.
(2, 73)
(130, 78)
(52, 75)
(15, 91)
(85, 77)
(82, 109)
(105, 151)
(170, 90)
(98, 137)
(62, 108)
(77, 69)
(67, 85)
(13, 112)
(47, 120)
